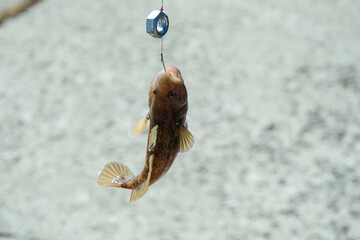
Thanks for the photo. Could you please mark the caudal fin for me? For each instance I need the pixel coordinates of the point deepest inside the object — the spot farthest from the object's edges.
(113, 175)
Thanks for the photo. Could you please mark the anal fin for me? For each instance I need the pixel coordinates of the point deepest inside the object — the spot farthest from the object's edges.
(114, 174)
(142, 189)
(152, 138)
(139, 191)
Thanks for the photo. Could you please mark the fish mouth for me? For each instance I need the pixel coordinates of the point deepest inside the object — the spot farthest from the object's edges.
(174, 78)
(174, 71)
(164, 76)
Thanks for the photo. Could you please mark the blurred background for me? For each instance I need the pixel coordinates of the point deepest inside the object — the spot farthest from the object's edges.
(274, 103)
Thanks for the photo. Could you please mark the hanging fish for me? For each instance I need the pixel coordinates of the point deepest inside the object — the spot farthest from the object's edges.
(168, 135)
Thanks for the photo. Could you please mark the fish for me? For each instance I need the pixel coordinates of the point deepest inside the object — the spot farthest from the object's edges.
(168, 135)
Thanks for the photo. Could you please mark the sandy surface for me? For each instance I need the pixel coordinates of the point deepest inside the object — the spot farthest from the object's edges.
(274, 105)
(4, 4)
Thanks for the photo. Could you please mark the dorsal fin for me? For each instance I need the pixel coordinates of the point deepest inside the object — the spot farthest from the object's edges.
(152, 138)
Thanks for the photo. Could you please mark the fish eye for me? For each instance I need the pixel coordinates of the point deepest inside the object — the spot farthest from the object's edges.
(170, 94)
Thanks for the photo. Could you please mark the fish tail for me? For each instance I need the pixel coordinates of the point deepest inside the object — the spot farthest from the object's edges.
(114, 174)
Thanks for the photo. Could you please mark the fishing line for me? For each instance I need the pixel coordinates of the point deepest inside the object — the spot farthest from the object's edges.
(157, 25)
(162, 41)
(161, 54)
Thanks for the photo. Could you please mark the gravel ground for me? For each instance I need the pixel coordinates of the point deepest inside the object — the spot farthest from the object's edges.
(274, 105)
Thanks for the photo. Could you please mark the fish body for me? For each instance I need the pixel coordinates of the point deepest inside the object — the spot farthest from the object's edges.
(168, 135)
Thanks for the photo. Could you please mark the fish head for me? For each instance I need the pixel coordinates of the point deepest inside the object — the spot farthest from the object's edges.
(169, 88)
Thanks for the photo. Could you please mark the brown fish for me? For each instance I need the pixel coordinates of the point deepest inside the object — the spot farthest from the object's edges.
(168, 135)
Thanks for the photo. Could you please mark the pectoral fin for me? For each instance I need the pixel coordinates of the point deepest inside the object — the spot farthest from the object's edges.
(114, 174)
(152, 138)
(142, 189)
(138, 127)
(186, 139)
